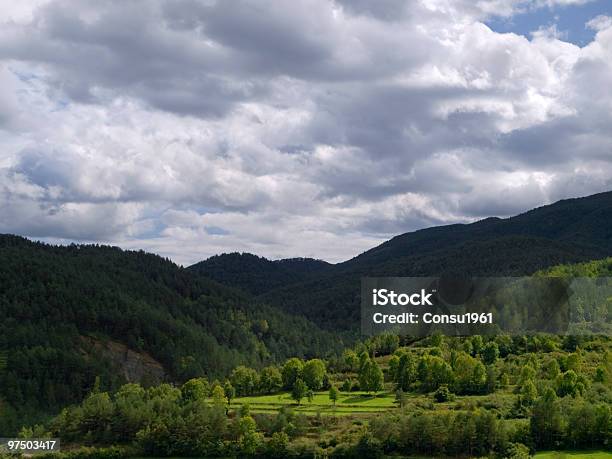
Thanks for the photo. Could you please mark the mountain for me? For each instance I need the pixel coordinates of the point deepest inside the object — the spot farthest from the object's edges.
(569, 231)
(74, 313)
(255, 274)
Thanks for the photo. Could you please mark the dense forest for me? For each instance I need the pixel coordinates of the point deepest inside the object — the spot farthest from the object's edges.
(568, 231)
(255, 274)
(59, 305)
(128, 353)
(478, 397)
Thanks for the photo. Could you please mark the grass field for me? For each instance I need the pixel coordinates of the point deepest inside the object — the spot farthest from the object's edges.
(348, 403)
(574, 454)
(363, 403)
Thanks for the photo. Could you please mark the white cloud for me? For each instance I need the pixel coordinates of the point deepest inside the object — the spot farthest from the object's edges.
(600, 22)
(316, 129)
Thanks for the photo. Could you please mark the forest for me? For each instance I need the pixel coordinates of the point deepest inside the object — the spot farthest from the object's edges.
(486, 397)
(58, 303)
(126, 354)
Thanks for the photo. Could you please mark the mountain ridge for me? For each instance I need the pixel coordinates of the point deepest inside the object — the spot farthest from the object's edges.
(567, 231)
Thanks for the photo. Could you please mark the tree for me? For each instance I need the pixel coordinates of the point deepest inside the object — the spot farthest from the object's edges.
(230, 392)
(218, 395)
(313, 374)
(551, 369)
(406, 372)
(546, 422)
(400, 398)
(347, 385)
(491, 380)
(277, 446)
(270, 380)
(467, 347)
(363, 358)
(292, 370)
(527, 373)
(490, 353)
(477, 343)
(132, 412)
(244, 380)
(97, 414)
(350, 359)
(334, 393)
(601, 374)
(393, 367)
(298, 392)
(433, 371)
(442, 394)
(436, 340)
(195, 389)
(529, 393)
(249, 439)
(310, 395)
(371, 377)
(574, 362)
(567, 384)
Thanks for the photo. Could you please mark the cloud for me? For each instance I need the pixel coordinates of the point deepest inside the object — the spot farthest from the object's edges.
(600, 22)
(315, 128)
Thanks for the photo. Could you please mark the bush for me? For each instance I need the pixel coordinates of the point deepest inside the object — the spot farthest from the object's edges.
(114, 452)
(517, 451)
(442, 394)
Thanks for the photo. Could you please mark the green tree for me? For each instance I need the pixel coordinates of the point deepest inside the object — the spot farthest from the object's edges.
(371, 377)
(313, 374)
(490, 353)
(244, 380)
(132, 411)
(278, 444)
(363, 358)
(433, 371)
(292, 370)
(406, 372)
(97, 414)
(270, 380)
(195, 389)
(249, 439)
(298, 392)
(601, 374)
(528, 393)
(442, 394)
(230, 392)
(400, 398)
(567, 384)
(546, 422)
(218, 396)
(351, 361)
(477, 344)
(491, 379)
(551, 369)
(334, 393)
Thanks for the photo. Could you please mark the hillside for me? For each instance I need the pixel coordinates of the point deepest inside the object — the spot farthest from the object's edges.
(255, 274)
(568, 231)
(72, 313)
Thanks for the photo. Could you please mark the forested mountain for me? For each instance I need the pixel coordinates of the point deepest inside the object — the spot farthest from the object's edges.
(66, 310)
(255, 274)
(568, 231)
(72, 313)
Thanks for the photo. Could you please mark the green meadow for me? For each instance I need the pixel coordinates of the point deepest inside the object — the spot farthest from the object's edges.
(574, 454)
(347, 403)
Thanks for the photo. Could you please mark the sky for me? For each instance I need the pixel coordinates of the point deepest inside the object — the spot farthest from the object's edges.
(309, 128)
